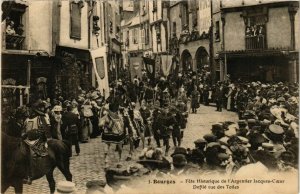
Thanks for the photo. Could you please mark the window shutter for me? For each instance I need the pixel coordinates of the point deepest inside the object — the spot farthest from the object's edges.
(75, 31)
(143, 36)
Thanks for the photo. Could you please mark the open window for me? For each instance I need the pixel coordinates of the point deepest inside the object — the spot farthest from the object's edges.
(14, 17)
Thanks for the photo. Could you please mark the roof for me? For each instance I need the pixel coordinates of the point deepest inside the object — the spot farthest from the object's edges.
(135, 20)
(245, 3)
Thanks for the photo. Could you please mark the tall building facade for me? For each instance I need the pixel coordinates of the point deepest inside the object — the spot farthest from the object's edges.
(257, 40)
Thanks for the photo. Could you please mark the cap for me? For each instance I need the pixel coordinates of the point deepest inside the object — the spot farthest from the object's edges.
(200, 141)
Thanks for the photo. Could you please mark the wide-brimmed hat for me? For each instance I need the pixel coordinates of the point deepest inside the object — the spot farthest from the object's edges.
(268, 146)
(244, 141)
(65, 187)
(179, 150)
(276, 129)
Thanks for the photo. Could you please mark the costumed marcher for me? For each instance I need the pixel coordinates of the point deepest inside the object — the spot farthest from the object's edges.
(36, 133)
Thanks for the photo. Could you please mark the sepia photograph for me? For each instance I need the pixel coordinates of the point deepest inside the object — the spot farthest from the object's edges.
(150, 96)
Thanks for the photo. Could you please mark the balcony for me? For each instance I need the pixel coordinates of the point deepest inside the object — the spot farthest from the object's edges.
(255, 42)
(14, 41)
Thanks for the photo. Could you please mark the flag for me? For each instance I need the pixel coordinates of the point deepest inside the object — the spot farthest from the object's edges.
(166, 64)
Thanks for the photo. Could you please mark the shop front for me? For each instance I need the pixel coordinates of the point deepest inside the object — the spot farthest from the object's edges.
(265, 66)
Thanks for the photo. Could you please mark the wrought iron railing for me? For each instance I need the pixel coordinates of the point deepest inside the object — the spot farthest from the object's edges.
(255, 42)
(14, 42)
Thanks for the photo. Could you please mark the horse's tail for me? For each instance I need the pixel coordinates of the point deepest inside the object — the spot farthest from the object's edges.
(61, 148)
(68, 148)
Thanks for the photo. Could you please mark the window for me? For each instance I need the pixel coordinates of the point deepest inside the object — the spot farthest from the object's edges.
(135, 36)
(154, 5)
(184, 16)
(143, 35)
(217, 33)
(255, 33)
(127, 38)
(147, 34)
(75, 31)
(174, 28)
(14, 32)
(157, 28)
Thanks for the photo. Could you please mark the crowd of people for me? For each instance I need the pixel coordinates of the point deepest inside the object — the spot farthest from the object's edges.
(144, 112)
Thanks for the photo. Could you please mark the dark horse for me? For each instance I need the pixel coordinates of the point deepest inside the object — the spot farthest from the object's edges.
(13, 169)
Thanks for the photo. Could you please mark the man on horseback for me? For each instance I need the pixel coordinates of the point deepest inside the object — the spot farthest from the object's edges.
(35, 135)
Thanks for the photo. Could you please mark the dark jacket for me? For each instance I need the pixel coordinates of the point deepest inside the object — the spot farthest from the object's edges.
(70, 120)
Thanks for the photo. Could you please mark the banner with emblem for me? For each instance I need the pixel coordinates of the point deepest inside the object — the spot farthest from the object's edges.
(136, 67)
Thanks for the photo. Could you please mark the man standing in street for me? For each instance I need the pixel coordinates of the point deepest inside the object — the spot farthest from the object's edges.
(219, 96)
(70, 128)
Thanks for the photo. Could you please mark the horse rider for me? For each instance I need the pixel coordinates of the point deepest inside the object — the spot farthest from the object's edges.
(37, 130)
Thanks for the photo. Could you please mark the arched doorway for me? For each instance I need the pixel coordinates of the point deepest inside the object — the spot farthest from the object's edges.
(202, 59)
(186, 61)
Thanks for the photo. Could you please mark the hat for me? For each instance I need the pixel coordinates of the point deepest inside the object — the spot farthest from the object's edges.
(162, 78)
(244, 141)
(265, 122)
(94, 96)
(41, 80)
(67, 103)
(95, 184)
(268, 146)
(74, 102)
(179, 160)
(256, 140)
(213, 144)
(210, 138)
(281, 99)
(223, 156)
(179, 150)
(200, 142)
(241, 122)
(21, 112)
(223, 140)
(133, 104)
(276, 129)
(217, 127)
(57, 108)
(65, 186)
(251, 121)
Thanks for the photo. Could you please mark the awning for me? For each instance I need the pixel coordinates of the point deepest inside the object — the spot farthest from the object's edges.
(254, 53)
(81, 54)
(26, 52)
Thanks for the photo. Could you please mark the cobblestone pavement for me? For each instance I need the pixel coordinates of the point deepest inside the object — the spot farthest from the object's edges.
(89, 164)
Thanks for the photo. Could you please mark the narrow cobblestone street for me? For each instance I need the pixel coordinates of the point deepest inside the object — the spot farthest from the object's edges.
(89, 164)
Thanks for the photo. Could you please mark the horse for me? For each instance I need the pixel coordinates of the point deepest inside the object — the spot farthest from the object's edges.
(13, 168)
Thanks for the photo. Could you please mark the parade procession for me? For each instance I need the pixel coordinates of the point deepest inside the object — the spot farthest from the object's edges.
(149, 96)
